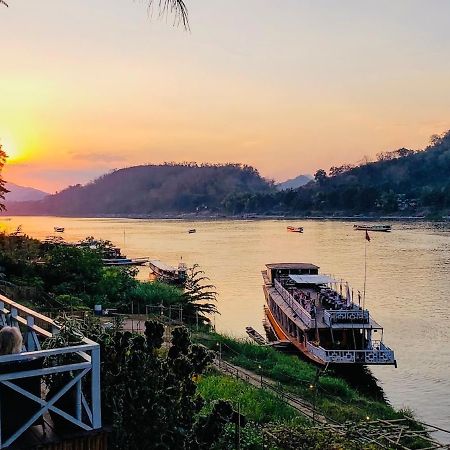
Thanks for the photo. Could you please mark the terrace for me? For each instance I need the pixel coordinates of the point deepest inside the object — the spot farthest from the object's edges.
(28, 402)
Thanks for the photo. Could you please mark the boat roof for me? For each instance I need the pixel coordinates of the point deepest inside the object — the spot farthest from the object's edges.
(312, 279)
(162, 266)
(291, 266)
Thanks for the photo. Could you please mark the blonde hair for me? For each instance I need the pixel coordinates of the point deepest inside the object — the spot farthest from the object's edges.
(10, 341)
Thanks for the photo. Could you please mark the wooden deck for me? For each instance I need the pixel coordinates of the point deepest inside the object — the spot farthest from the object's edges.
(47, 438)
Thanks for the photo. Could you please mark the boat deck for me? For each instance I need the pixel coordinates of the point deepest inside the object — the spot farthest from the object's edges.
(301, 308)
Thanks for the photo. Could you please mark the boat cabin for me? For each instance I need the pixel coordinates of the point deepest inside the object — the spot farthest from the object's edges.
(283, 270)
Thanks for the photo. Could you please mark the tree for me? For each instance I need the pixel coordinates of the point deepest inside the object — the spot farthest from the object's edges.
(149, 397)
(177, 8)
(199, 296)
(320, 176)
(3, 157)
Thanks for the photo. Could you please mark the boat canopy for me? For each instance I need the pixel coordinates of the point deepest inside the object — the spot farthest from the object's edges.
(312, 279)
(162, 266)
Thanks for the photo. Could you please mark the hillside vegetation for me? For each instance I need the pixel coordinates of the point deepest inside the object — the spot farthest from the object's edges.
(151, 189)
(402, 181)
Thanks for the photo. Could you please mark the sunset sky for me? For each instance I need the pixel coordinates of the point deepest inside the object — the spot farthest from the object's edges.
(287, 86)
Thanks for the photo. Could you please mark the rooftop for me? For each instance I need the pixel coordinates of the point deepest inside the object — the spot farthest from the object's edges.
(291, 266)
(312, 279)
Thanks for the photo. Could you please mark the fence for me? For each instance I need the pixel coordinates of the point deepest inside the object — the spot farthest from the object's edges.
(81, 363)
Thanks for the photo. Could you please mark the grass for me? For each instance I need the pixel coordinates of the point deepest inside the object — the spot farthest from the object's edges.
(256, 405)
(336, 399)
(157, 293)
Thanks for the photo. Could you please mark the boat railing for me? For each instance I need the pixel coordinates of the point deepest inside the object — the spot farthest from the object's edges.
(301, 312)
(376, 353)
(81, 364)
(353, 315)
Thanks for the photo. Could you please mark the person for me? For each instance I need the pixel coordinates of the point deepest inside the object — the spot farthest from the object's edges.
(16, 409)
(10, 341)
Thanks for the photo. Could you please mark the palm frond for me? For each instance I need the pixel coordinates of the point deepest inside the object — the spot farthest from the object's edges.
(177, 8)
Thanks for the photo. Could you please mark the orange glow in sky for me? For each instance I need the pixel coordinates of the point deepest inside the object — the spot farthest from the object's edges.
(298, 87)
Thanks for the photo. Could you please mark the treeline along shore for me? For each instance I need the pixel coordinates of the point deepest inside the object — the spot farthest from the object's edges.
(176, 384)
(400, 183)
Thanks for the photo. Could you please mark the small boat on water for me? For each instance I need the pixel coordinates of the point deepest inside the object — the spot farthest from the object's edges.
(54, 240)
(59, 229)
(124, 261)
(257, 337)
(192, 230)
(317, 314)
(295, 229)
(376, 227)
(168, 274)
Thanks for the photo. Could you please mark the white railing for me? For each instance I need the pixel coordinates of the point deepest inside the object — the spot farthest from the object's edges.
(378, 353)
(301, 312)
(84, 361)
(331, 317)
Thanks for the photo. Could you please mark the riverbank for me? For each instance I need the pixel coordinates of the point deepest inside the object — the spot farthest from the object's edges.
(215, 217)
(280, 390)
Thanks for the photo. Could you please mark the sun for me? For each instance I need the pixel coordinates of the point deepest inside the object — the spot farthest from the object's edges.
(10, 148)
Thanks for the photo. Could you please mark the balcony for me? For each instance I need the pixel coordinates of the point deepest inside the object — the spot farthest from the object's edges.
(298, 310)
(378, 353)
(354, 315)
(82, 380)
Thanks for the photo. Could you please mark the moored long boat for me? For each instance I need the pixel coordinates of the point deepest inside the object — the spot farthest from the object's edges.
(125, 261)
(295, 229)
(377, 227)
(309, 310)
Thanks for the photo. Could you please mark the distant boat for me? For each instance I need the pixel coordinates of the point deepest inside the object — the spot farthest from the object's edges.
(295, 229)
(54, 240)
(385, 228)
(167, 273)
(125, 261)
(192, 230)
(59, 229)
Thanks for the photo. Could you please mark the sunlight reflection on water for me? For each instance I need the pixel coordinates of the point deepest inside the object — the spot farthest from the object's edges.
(408, 281)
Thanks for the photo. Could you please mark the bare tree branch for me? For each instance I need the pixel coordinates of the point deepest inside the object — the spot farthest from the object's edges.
(3, 3)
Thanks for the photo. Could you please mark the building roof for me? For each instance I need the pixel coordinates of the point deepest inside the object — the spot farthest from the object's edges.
(312, 279)
(291, 266)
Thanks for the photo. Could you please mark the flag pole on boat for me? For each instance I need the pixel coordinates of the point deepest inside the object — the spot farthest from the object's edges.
(366, 240)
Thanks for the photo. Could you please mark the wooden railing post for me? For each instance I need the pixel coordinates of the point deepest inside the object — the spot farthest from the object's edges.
(95, 388)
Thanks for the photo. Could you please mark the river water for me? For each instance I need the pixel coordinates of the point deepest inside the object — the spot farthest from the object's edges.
(408, 282)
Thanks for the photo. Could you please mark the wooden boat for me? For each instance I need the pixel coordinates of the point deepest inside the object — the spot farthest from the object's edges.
(124, 261)
(168, 274)
(54, 240)
(192, 230)
(309, 310)
(295, 229)
(257, 337)
(59, 229)
(385, 228)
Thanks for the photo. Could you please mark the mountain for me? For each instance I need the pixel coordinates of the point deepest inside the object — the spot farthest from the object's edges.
(403, 182)
(295, 183)
(151, 190)
(22, 193)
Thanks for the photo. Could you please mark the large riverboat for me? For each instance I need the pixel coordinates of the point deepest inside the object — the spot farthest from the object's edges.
(316, 313)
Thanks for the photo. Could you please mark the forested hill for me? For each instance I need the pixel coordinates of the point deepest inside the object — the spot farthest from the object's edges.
(152, 190)
(404, 181)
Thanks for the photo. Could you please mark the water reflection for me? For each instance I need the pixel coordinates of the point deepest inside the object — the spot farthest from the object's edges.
(407, 286)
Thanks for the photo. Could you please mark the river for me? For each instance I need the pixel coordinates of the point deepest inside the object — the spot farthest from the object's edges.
(408, 282)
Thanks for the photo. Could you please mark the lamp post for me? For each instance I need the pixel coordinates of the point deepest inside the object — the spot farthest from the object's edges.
(260, 373)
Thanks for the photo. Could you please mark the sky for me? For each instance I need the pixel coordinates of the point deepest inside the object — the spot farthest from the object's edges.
(288, 86)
